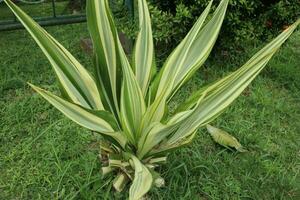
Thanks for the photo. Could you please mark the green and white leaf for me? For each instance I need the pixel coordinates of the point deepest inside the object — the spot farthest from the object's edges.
(200, 48)
(223, 138)
(75, 82)
(104, 37)
(81, 116)
(157, 132)
(132, 102)
(152, 136)
(224, 92)
(143, 55)
(142, 181)
(185, 60)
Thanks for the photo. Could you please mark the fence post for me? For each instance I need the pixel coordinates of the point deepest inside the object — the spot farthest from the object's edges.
(53, 8)
(130, 6)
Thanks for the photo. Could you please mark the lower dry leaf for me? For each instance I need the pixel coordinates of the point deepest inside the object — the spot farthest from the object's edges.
(120, 182)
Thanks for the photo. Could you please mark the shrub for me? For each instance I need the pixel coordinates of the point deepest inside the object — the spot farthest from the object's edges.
(127, 101)
(245, 20)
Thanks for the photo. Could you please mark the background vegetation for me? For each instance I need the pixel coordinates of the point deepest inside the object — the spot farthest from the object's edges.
(245, 20)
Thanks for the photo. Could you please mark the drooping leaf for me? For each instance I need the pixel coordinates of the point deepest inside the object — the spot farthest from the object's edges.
(82, 116)
(75, 82)
(223, 138)
(143, 55)
(142, 180)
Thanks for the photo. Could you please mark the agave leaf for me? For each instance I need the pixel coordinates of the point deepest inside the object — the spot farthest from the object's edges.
(180, 116)
(224, 92)
(165, 147)
(223, 138)
(82, 116)
(164, 80)
(142, 181)
(193, 99)
(75, 82)
(152, 136)
(266, 52)
(158, 132)
(143, 55)
(185, 60)
(132, 102)
(104, 37)
(200, 48)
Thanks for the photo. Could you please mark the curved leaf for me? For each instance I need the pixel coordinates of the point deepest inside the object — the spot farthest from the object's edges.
(185, 60)
(221, 94)
(223, 138)
(142, 181)
(75, 82)
(82, 116)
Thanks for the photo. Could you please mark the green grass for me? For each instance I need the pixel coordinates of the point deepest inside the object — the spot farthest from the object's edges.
(35, 10)
(43, 155)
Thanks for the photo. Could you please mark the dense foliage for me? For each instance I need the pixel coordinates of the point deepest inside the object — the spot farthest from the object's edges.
(244, 20)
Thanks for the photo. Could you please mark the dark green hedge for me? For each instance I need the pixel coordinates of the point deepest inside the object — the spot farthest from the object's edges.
(245, 19)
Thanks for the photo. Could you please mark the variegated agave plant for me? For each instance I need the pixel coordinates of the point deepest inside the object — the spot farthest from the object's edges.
(127, 101)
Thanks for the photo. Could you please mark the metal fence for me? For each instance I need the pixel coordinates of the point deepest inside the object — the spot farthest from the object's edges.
(49, 12)
(45, 12)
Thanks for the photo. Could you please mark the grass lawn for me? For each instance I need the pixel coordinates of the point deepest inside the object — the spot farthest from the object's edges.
(35, 10)
(43, 155)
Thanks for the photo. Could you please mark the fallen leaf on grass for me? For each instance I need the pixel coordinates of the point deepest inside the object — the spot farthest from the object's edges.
(225, 139)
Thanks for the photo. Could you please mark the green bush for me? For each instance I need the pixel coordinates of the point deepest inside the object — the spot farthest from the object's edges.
(245, 20)
(283, 13)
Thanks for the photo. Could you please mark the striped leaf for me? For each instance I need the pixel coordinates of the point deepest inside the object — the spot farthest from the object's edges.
(142, 181)
(221, 94)
(104, 37)
(143, 55)
(82, 116)
(198, 51)
(158, 132)
(225, 139)
(75, 82)
(132, 102)
(185, 60)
